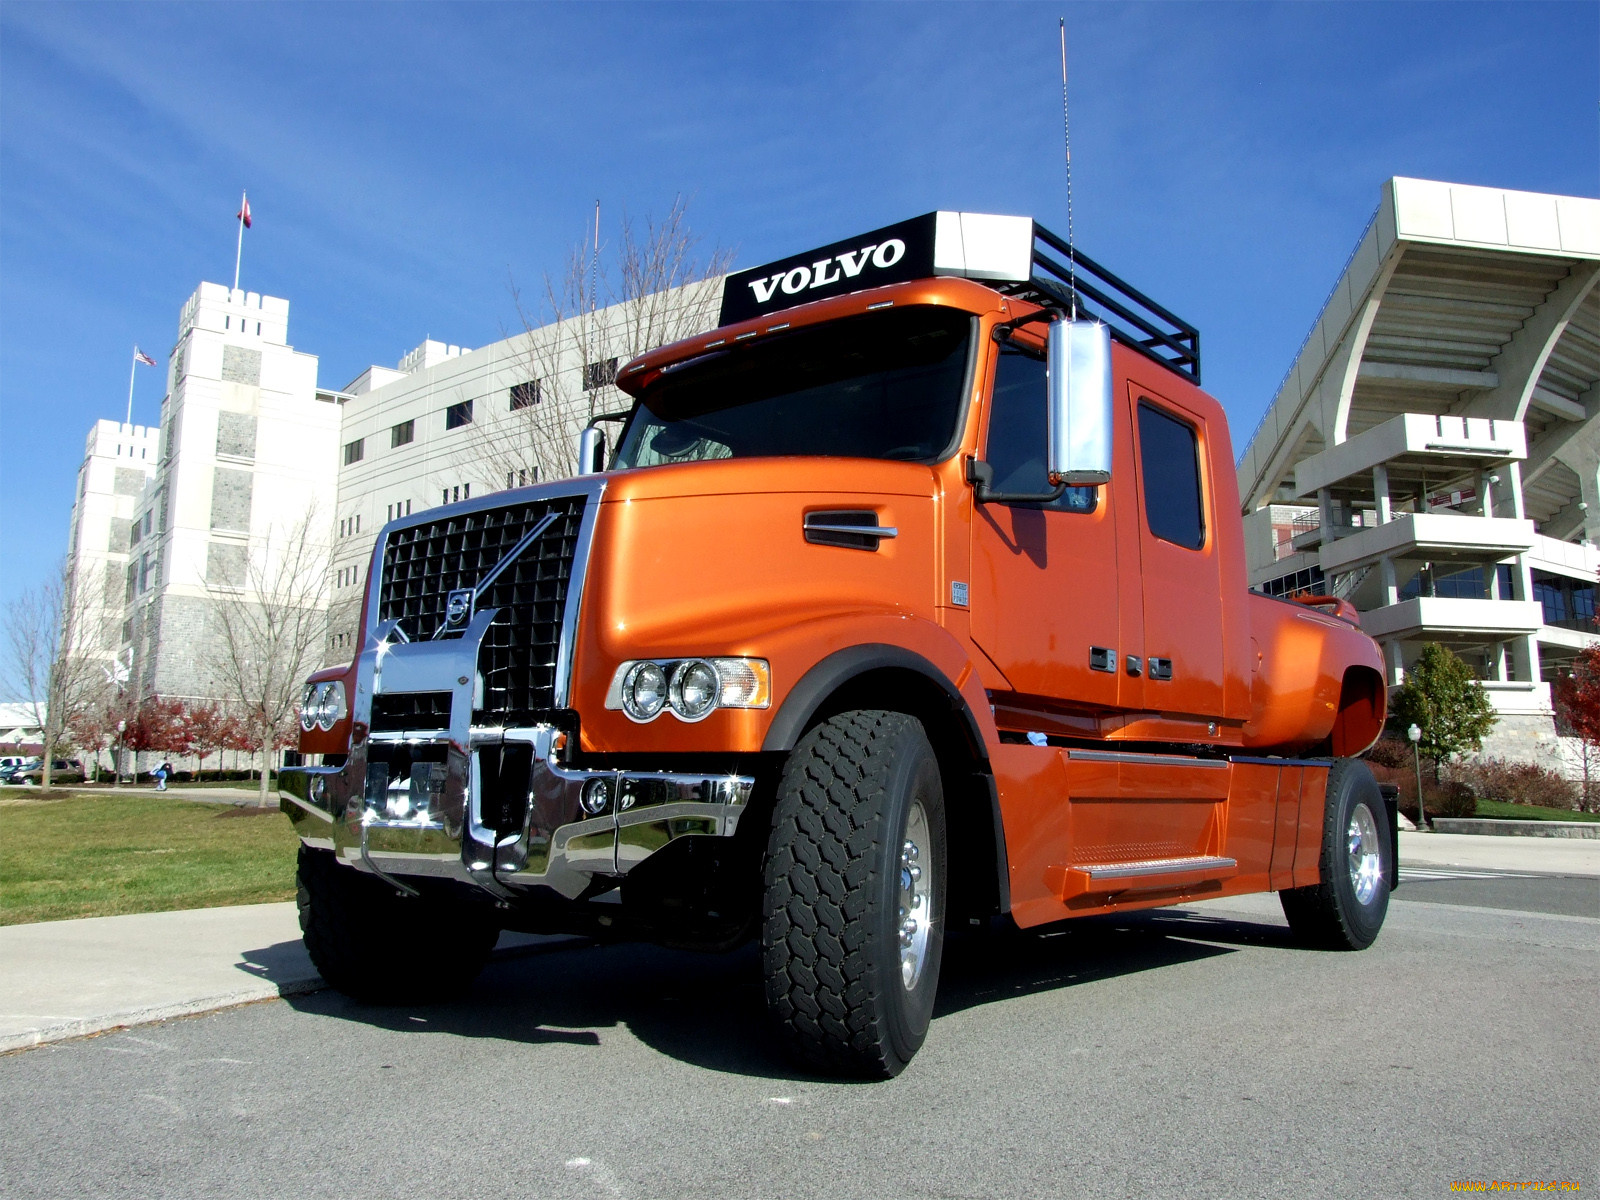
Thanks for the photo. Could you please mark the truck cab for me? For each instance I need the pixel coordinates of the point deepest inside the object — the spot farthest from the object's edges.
(911, 598)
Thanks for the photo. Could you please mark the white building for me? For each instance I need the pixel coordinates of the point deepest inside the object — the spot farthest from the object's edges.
(1433, 454)
(118, 461)
(248, 454)
(448, 424)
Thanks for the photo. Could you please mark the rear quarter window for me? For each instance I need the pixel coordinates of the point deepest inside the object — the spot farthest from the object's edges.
(1169, 476)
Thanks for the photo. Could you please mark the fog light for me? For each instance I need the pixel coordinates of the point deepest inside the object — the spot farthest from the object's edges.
(596, 797)
(694, 690)
(644, 691)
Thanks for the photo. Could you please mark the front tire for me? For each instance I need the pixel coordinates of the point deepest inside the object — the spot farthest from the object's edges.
(380, 947)
(1346, 910)
(853, 912)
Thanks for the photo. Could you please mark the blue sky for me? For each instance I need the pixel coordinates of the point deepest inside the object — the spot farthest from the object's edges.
(405, 162)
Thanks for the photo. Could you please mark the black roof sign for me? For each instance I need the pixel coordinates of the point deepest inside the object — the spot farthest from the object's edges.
(893, 254)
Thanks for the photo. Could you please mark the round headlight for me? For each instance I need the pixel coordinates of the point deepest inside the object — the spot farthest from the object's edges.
(308, 708)
(331, 708)
(644, 691)
(694, 689)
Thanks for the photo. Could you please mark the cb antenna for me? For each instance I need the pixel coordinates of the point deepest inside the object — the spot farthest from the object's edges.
(1066, 133)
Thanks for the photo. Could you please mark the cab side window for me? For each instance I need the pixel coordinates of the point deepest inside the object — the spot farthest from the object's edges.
(1017, 431)
(1169, 473)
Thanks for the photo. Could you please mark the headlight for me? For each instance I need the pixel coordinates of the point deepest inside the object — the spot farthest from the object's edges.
(331, 709)
(644, 690)
(693, 687)
(323, 706)
(694, 690)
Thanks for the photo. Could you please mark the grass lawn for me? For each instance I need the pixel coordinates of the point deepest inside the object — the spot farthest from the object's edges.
(1499, 810)
(89, 855)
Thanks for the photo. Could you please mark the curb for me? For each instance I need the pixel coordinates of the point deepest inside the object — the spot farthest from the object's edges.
(60, 1031)
(85, 1026)
(1545, 829)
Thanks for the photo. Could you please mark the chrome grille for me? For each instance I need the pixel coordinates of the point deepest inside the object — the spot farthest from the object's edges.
(424, 563)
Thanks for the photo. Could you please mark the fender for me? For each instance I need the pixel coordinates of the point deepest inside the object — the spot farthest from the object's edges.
(837, 669)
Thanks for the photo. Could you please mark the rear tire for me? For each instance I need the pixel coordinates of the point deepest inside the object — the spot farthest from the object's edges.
(380, 947)
(1346, 910)
(853, 912)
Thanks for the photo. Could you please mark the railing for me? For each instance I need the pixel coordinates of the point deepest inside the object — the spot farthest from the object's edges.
(1066, 277)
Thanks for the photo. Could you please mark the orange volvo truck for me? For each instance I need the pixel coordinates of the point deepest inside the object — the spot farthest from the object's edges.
(912, 598)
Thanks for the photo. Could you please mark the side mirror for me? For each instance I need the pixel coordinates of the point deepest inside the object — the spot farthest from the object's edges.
(1078, 421)
(591, 451)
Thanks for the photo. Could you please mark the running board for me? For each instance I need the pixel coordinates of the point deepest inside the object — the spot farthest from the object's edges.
(1148, 875)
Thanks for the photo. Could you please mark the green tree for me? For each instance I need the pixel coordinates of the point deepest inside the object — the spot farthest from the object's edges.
(1441, 697)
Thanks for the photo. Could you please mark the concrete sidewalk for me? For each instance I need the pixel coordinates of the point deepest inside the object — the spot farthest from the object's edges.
(1555, 856)
(64, 979)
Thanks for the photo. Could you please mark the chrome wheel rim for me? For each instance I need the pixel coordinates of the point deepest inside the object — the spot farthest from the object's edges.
(1366, 862)
(916, 897)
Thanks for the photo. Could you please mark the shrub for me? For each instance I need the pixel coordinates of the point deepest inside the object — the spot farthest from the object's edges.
(1389, 752)
(1518, 783)
(1453, 799)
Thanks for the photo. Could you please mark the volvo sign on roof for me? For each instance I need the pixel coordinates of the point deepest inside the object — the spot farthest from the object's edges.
(972, 245)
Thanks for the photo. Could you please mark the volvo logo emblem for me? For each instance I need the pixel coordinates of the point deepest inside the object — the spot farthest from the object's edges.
(458, 607)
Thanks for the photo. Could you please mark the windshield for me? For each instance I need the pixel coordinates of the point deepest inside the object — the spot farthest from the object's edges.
(880, 385)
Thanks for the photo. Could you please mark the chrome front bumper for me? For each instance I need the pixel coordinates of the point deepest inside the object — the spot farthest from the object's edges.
(428, 820)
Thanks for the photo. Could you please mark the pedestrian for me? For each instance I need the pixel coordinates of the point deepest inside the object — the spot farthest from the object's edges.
(162, 772)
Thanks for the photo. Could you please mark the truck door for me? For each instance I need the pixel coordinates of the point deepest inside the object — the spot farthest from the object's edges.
(1182, 647)
(1044, 576)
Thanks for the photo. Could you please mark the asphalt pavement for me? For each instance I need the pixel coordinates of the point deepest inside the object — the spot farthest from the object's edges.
(1192, 1051)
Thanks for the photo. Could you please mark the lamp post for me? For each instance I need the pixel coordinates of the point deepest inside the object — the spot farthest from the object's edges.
(122, 729)
(1415, 734)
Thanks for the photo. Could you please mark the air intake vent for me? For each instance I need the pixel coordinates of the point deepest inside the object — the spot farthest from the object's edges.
(854, 529)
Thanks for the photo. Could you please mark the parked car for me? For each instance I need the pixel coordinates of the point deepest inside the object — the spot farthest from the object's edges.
(62, 770)
(14, 767)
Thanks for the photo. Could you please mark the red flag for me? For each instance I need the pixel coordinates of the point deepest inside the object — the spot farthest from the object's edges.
(244, 213)
(140, 356)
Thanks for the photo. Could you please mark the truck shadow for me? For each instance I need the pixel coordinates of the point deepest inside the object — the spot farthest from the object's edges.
(708, 1010)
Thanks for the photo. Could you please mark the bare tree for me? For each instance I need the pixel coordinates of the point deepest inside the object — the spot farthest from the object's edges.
(267, 634)
(595, 316)
(50, 657)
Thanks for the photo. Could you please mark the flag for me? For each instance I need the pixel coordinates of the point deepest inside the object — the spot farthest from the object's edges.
(140, 356)
(244, 213)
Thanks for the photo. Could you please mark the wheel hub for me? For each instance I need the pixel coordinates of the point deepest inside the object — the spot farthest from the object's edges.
(1366, 861)
(916, 899)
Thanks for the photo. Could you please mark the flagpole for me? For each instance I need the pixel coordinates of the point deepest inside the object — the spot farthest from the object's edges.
(244, 199)
(133, 369)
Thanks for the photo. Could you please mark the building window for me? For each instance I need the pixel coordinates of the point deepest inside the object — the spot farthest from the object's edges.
(525, 395)
(408, 508)
(354, 451)
(1456, 585)
(466, 491)
(458, 415)
(599, 374)
(403, 434)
